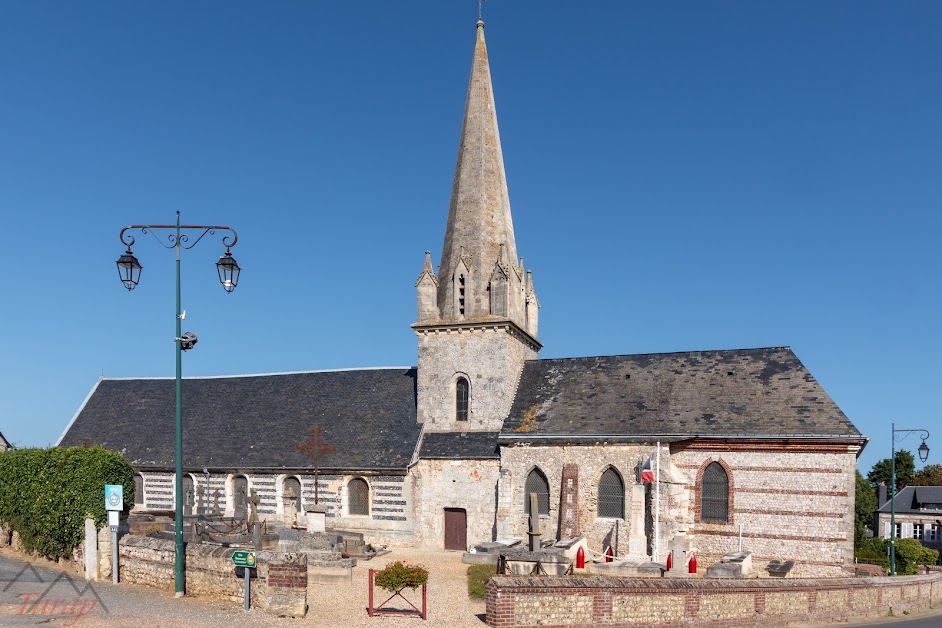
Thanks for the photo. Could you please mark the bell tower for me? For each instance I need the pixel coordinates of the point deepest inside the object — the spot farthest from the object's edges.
(477, 316)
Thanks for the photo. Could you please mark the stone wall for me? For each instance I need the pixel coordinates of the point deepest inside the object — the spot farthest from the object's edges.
(280, 588)
(605, 601)
(591, 461)
(490, 357)
(391, 508)
(792, 504)
(467, 484)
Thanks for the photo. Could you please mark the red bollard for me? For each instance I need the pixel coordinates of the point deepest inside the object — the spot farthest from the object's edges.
(609, 554)
(580, 558)
(670, 560)
(693, 563)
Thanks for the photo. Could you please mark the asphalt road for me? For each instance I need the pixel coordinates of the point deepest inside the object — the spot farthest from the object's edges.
(32, 594)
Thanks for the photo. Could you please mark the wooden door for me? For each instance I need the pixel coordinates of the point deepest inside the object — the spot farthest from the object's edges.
(456, 529)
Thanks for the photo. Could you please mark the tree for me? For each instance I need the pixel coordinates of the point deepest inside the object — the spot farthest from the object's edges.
(905, 470)
(910, 553)
(865, 503)
(314, 446)
(929, 475)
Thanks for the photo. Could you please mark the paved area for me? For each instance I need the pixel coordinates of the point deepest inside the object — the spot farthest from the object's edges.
(41, 592)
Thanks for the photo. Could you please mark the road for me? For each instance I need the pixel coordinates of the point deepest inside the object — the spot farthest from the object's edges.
(32, 594)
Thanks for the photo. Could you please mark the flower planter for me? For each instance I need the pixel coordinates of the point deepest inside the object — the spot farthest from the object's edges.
(396, 578)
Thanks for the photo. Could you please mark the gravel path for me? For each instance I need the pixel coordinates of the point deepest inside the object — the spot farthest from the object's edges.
(134, 605)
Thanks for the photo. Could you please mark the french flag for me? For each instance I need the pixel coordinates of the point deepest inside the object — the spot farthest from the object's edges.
(647, 470)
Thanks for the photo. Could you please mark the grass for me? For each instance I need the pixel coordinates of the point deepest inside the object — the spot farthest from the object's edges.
(478, 575)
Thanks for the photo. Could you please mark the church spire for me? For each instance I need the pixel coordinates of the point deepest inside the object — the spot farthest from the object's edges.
(479, 238)
(477, 319)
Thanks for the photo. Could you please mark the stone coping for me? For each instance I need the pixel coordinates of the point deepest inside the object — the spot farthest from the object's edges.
(623, 602)
(703, 585)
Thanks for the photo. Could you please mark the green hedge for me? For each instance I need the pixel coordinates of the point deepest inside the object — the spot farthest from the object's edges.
(873, 551)
(910, 553)
(45, 494)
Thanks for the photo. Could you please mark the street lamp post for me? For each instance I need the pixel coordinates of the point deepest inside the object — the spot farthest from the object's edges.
(129, 272)
(898, 435)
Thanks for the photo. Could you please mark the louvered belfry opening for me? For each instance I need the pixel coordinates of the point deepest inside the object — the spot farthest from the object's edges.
(714, 494)
(359, 492)
(536, 483)
(611, 501)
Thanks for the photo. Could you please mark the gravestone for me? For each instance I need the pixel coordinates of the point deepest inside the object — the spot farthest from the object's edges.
(316, 518)
(289, 501)
(679, 546)
(255, 500)
(534, 530)
(779, 568)
(637, 541)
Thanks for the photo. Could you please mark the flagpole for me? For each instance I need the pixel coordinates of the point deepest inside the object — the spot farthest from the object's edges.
(657, 503)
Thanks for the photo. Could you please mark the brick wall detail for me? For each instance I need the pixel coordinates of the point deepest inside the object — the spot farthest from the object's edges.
(519, 602)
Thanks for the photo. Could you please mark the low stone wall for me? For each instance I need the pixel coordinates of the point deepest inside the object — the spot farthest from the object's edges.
(606, 601)
(280, 588)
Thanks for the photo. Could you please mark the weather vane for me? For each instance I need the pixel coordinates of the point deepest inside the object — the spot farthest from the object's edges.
(480, 4)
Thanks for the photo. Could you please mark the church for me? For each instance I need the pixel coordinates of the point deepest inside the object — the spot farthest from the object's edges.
(744, 445)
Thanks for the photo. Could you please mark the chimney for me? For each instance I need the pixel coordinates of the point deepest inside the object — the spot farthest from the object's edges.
(882, 498)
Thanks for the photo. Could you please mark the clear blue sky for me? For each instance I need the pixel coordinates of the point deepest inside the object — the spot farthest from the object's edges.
(683, 175)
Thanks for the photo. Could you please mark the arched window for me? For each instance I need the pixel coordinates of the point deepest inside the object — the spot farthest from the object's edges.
(462, 390)
(188, 495)
(611, 501)
(359, 492)
(714, 494)
(240, 497)
(536, 483)
(292, 486)
(138, 489)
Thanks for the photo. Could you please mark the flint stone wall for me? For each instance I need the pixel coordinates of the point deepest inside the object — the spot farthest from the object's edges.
(280, 588)
(792, 505)
(592, 461)
(514, 601)
(467, 484)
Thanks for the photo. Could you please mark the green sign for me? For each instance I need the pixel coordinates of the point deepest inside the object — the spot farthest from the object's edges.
(243, 559)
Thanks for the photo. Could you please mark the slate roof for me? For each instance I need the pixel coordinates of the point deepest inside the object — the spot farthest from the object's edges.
(745, 393)
(459, 445)
(917, 499)
(255, 421)
(4, 443)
